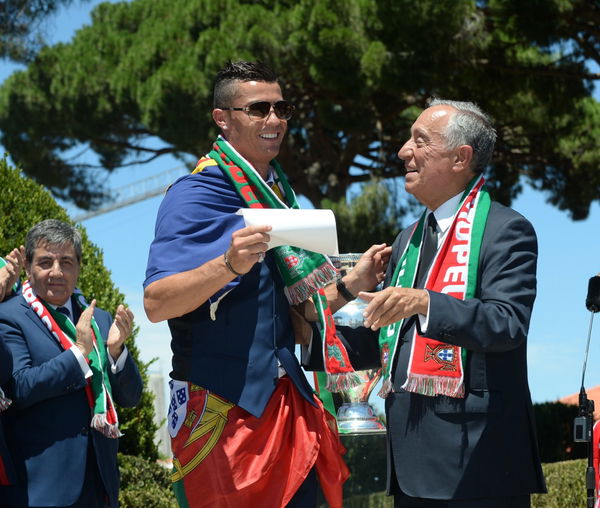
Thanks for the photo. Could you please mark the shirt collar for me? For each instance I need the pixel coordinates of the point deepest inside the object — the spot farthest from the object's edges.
(445, 212)
(68, 305)
(270, 180)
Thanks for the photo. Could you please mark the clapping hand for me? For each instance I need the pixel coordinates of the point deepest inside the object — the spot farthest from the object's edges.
(10, 272)
(119, 331)
(85, 336)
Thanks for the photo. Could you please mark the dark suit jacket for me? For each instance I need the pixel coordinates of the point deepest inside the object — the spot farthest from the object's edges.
(485, 444)
(48, 425)
(6, 366)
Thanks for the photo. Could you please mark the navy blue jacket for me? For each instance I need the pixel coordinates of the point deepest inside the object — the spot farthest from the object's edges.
(236, 354)
(6, 366)
(48, 425)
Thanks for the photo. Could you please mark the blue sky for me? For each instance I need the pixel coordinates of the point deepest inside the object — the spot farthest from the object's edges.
(569, 254)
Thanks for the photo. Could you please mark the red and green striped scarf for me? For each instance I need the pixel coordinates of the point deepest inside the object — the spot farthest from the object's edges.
(305, 273)
(98, 389)
(436, 368)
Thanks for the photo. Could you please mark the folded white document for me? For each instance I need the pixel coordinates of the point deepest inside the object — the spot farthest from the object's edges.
(308, 229)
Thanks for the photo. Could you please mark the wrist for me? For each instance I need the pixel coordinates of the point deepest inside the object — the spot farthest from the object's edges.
(344, 291)
(353, 284)
(229, 267)
(83, 349)
(115, 351)
(424, 306)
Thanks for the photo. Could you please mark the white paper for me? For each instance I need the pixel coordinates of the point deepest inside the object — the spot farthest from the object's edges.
(308, 229)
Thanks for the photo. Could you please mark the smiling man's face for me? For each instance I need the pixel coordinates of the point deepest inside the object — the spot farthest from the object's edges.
(53, 272)
(428, 160)
(258, 141)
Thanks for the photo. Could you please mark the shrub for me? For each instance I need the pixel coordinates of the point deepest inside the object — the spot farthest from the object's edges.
(566, 485)
(144, 484)
(25, 203)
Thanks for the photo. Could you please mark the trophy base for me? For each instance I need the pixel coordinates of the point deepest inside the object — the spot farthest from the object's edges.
(358, 418)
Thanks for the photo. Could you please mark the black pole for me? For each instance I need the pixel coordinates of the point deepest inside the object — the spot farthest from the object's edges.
(586, 431)
(584, 423)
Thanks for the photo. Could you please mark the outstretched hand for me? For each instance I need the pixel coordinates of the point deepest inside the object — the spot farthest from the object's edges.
(393, 304)
(370, 269)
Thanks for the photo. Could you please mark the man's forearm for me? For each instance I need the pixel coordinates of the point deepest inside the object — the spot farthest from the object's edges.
(178, 294)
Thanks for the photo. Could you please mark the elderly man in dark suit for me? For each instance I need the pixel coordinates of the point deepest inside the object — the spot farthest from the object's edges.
(452, 324)
(70, 367)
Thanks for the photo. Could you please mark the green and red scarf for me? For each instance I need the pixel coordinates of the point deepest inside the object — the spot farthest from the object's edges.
(305, 273)
(98, 389)
(436, 368)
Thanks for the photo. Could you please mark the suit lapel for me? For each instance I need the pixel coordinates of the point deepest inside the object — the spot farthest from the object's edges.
(30, 313)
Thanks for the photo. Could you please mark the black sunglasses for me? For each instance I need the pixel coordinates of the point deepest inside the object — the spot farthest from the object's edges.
(260, 110)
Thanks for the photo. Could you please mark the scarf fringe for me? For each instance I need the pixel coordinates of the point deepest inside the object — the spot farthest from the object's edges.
(434, 385)
(308, 286)
(386, 388)
(342, 382)
(100, 423)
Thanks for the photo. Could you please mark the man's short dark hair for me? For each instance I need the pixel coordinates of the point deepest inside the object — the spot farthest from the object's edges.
(242, 71)
(52, 232)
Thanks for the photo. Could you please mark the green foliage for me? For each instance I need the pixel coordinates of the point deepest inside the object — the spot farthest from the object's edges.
(566, 485)
(137, 83)
(554, 424)
(24, 203)
(144, 484)
(372, 216)
(20, 23)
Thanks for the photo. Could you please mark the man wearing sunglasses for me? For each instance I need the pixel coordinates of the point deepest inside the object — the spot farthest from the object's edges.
(245, 425)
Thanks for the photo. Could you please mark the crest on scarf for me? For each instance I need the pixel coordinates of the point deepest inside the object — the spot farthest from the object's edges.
(293, 259)
(443, 355)
(385, 354)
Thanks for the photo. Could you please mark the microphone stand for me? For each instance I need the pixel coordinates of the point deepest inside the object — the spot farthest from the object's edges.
(583, 428)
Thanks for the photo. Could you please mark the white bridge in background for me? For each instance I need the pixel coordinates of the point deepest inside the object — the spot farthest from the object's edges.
(137, 191)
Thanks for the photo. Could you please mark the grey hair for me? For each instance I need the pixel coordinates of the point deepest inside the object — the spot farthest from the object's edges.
(469, 125)
(52, 232)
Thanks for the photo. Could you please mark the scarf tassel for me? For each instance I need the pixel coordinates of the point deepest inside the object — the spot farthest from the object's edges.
(101, 424)
(386, 388)
(342, 382)
(435, 385)
(308, 286)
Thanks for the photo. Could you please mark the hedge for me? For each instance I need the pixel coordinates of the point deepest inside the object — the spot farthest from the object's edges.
(144, 484)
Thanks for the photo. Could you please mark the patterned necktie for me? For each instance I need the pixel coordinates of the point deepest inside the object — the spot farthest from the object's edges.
(428, 249)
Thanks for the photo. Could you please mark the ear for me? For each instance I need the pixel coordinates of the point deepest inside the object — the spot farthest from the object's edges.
(463, 158)
(220, 118)
(27, 266)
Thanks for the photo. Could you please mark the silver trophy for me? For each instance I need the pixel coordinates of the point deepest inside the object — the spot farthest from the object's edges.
(356, 416)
